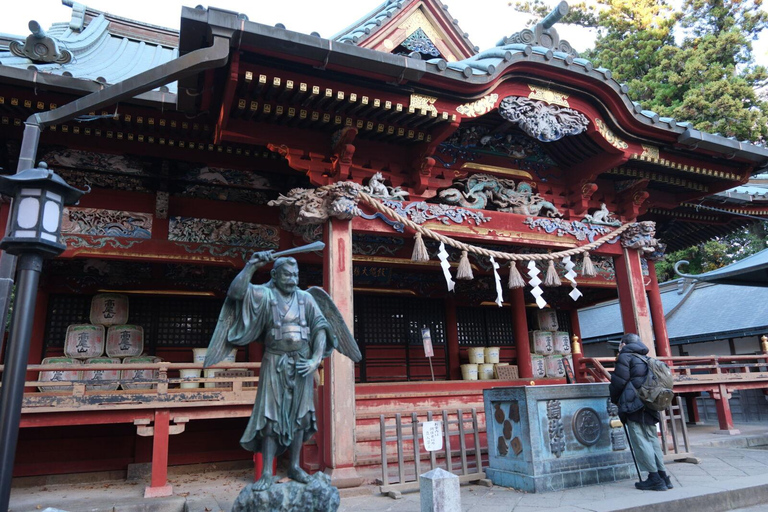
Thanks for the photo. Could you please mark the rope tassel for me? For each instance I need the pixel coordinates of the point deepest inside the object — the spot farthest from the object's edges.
(552, 279)
(419, 249)
(465, 269)
(515, 279)
(587, 267)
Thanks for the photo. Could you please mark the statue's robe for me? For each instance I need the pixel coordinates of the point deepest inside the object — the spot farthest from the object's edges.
(284, 399)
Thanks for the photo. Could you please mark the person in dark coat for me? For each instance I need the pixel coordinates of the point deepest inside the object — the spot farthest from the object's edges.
(628, 376)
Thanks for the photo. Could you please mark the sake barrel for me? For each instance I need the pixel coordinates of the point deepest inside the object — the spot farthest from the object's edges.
(492, 354)
(476, 355)
(125, 341)
(109, 309)
(485, 371)
(198, 355)
(189, 373)
(60, 375)
(542, 342)
(469, 371)
(547, 319)
(139, 379)
(561, 342)
(538, 367)
(102, 380)
(84, 341)
(554, 365)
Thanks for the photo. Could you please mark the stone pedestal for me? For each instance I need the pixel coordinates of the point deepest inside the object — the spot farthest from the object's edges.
(317, 495)
(548, 438)
(440, 491)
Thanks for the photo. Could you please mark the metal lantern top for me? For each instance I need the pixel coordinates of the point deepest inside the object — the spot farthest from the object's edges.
(44, 178)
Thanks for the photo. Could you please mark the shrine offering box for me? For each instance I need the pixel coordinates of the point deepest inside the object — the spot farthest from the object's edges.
(109, 309)
(125, 341)
(139, 379)
(60, 375)
(84, 341)
(549, 438)
(102, 380)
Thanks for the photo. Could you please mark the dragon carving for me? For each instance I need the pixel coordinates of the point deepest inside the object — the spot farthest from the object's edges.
(482, 191)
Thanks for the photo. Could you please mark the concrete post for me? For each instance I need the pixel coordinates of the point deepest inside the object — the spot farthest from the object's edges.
(440, 491)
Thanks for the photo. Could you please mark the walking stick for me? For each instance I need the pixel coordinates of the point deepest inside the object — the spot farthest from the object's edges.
(632, 451)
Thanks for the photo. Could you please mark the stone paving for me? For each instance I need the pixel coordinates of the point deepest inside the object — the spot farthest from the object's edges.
(732, 474)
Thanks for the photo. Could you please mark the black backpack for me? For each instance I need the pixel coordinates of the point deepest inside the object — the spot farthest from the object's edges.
(656, 392)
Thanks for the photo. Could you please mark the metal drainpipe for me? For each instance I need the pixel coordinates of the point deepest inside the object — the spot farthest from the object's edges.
(211, 57)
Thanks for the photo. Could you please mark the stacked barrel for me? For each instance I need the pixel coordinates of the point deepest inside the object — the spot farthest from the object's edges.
(110, 332)
(549, 346)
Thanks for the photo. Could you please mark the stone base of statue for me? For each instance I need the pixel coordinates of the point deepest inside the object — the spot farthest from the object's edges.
(317, 495)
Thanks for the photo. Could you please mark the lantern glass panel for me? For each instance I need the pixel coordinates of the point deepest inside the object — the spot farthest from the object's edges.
(51, 216)
(28, 213)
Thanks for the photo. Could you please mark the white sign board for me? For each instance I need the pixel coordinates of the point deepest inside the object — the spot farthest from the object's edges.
(426, 336)
(433, 435)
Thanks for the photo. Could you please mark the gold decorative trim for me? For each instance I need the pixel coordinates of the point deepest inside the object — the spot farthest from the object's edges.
(609, 136)
(547, 95)
(645, 157)
(660, 178)
(160, 292)
(380, 291)
(650, 152)
(479, 107)
(423, 103)
(500, 170)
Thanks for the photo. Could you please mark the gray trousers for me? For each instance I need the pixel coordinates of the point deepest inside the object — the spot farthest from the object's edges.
(647, 447)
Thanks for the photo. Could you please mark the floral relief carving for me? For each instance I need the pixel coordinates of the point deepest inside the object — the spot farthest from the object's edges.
(541, 121)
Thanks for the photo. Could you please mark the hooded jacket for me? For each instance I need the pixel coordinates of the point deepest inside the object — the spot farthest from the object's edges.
(628, 376)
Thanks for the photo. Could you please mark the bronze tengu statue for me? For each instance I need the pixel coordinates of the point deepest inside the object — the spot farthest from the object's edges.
(298, 328)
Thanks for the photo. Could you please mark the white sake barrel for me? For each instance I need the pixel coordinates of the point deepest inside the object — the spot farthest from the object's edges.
(562, 342)
(210, 374)
(476, 355)
(133, 379)
(538, 367)
(60, 375)
(542, 342)
(84, 341)
(547, 319)
(469, 371)
(102, 380)
(554, 365)
(187, 374)
(125, 341)
(492, 354)
(109, 309)
(198, 355)
(485, 371)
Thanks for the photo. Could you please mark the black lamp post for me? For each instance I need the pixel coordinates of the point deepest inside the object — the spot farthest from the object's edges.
(39, 196)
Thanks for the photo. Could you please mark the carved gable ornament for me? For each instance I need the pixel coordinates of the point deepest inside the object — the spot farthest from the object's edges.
(542, 121)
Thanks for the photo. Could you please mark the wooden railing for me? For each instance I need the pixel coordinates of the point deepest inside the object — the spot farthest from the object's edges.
(233, 388)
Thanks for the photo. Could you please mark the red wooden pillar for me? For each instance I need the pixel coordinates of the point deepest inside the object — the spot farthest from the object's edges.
(657, 314)
(520, 326)
(158, 486)
(635, 314)
(339, 371)
(724, 417)
(452, 339)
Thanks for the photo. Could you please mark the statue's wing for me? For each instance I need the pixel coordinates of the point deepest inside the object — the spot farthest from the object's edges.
(219, 347)
(347, 344)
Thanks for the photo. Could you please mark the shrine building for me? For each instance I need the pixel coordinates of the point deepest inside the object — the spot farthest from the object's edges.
(484, 195)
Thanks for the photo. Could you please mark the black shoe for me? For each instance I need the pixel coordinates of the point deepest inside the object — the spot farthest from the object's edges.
(664, 476)
(653, 483)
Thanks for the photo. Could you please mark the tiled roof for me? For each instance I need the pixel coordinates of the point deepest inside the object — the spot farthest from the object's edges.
(98, 54)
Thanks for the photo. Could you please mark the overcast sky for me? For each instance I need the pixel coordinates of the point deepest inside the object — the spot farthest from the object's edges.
(486, 21)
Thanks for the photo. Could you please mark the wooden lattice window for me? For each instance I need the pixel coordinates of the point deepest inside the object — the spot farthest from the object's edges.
(167, 321)
(398, 320)
(64, 310)
(484, 327)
